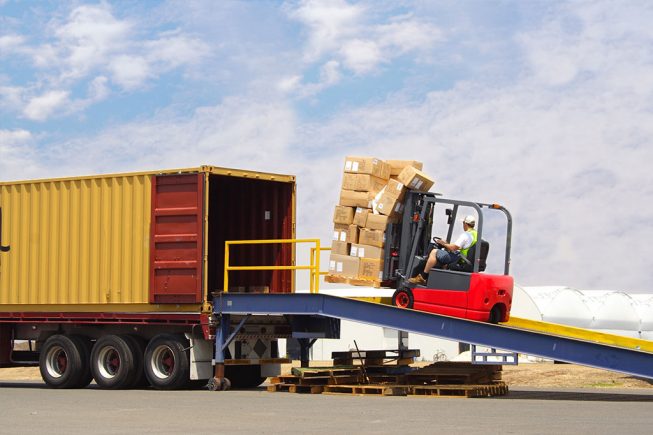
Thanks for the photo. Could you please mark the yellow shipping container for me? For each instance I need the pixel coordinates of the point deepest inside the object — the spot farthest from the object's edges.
(86, 244)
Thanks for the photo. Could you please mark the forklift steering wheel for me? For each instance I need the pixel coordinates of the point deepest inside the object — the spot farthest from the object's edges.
(435, 241)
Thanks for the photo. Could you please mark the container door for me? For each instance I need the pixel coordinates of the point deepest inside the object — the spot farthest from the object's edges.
(176, 239)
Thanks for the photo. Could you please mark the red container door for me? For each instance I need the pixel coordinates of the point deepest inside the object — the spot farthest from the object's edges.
(176, 239)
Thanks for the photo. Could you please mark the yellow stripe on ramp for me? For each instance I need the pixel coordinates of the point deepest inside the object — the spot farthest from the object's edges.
(580, 333)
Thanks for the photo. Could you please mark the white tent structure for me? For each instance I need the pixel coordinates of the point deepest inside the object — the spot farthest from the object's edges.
(613, 312)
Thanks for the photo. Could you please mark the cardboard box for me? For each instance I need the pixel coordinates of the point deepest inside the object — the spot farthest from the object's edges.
(396, 166)
(415, 179)
(362, 182)
(360, 216)
(345, 233)
(344, 265)
(351, 198)
(388, 205)
(343, 215)
(366, 251)
(367, 165)
(340, 248)
(395, 189)
(370, 269)
(371, 237)
(378, 221)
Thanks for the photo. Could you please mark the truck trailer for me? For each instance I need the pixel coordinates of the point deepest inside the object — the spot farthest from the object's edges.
(111, 277)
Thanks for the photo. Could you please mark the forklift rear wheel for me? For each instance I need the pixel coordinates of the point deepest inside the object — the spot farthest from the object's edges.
(403, 298)
(495, 315)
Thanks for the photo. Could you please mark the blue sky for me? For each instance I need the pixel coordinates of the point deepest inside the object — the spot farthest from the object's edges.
(543, 106)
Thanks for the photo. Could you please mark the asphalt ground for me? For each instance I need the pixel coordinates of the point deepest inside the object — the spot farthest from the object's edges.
(30, 408)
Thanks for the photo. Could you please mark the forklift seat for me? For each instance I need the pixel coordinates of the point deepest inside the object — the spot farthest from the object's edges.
(469, 267)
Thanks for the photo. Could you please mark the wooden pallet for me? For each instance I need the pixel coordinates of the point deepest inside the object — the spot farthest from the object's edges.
(455, 373)
(293, 388)
(318, 380)
(498, 389)
(375, 357)
(306, 372)
(377, 390)
(337, 279)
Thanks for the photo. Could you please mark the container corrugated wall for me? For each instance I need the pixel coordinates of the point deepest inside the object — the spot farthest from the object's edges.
(83, 241)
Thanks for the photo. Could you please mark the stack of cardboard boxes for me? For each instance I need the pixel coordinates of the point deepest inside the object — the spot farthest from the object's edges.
(371, 197)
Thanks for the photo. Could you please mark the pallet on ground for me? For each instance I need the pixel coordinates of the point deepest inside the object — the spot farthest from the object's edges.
(455, 373)
(368, 389)
(293, 388)
(491, 390)
(318, 380)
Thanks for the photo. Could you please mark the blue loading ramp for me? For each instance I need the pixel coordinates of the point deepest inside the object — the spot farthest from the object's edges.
(630, 361)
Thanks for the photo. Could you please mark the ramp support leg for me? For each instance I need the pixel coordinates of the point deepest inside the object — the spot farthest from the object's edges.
(305, 345)
(222, 340)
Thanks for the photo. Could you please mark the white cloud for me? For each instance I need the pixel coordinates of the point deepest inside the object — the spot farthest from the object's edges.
(10, 43)
(172, 50)
(361, 56)
(329, 75)
(330, 22)
(90, 35)
(92, 42)
(129, 71)
(342, 32)
(41, 107)
(17, 158)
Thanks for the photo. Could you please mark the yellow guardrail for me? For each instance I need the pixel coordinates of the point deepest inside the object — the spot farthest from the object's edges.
(313, 267)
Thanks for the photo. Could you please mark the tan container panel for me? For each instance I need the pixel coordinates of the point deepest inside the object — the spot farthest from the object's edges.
(76, 241)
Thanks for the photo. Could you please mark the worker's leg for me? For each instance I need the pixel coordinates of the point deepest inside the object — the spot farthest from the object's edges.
(431, 262)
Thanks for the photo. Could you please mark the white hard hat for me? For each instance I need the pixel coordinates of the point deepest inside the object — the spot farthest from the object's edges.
(470, 220)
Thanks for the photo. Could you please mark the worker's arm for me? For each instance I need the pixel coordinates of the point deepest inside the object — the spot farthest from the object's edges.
(448, 246)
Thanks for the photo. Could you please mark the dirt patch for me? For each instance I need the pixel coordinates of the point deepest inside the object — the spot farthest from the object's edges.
(568, 376)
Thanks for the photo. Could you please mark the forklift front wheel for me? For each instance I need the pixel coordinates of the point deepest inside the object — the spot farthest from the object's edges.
(403, 298)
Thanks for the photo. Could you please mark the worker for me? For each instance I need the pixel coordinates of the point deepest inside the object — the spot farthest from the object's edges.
(451, 253)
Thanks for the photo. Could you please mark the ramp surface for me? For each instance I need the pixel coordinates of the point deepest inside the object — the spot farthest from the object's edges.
(513, 338)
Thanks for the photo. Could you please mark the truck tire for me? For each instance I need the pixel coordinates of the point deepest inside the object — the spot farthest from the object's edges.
(167, 362)
(244, 376)
(138, 346)
(85, 347)
(113, 363)
(403, 298)
(62, 362)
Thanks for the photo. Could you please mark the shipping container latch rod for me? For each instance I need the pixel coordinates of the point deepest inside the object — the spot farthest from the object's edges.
(2, 248)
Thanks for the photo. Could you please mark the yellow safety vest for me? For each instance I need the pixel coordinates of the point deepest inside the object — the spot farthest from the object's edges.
(474, 238)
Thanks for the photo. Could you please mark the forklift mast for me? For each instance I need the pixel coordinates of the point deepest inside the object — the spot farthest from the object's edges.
(410, 239)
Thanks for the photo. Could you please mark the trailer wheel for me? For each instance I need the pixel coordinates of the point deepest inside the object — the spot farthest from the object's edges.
(63, 361)
(244, 376)
(112, 362)
(167, 362)
(403, 298)
(138, 346)
(85, 346)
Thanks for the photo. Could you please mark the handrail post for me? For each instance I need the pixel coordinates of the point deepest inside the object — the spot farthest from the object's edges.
(317, 266)
(226, 267)
(311, 284)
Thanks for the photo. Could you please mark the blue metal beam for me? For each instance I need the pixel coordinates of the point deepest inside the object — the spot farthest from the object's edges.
(566, 349)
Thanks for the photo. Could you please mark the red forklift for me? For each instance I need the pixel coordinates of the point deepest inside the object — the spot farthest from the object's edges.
(459, 290)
